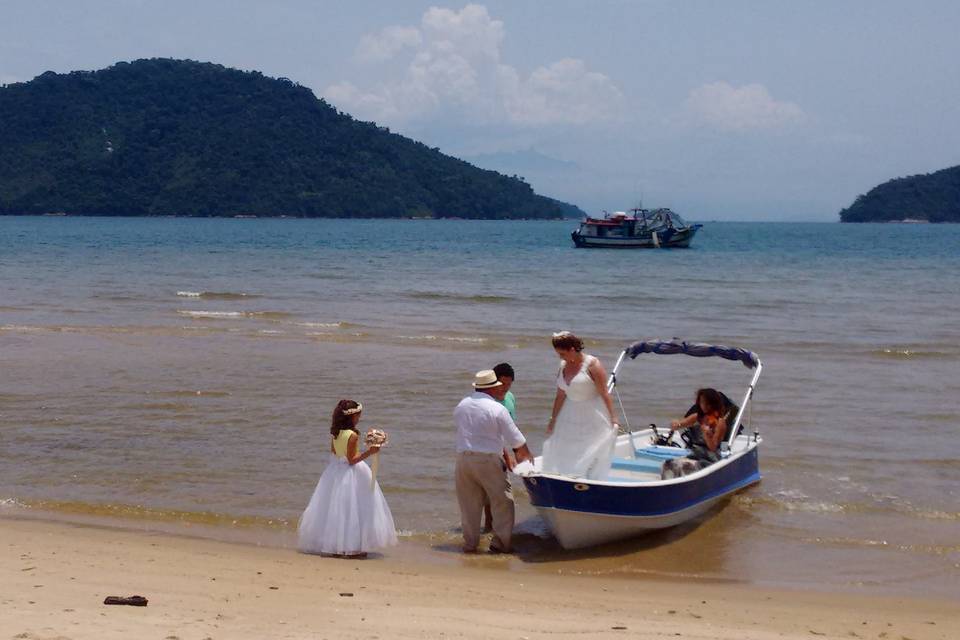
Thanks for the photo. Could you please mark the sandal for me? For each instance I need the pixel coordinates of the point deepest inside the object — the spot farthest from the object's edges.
(133, 601)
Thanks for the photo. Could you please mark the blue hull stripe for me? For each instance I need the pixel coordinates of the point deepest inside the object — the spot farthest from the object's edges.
(640, 499)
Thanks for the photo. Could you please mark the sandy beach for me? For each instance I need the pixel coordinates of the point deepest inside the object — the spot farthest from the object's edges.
(55, 576)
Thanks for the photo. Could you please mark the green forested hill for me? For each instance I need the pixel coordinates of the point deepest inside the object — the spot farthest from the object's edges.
(934, 197)
(174, 137)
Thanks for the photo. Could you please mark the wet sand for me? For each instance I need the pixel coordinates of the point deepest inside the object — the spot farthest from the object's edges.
(54, 578)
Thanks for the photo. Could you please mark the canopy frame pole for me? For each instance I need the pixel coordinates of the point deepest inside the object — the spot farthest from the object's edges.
(612, 379)
(623, 412)
(743, 405)
(612, 386)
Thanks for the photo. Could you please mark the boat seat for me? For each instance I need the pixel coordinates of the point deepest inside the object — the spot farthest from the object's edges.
(660, 452)
(641, 465)
(649, 459)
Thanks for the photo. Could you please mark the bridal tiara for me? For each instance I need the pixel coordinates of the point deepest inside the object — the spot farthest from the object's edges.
(356, 409)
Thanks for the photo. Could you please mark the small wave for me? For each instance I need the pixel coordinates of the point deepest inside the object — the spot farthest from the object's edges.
(790, 501)
(933, 514)
(792, 494)
(799, 502)
(910, 354)
(212, 314)
(466, 340)
(327, 325)
(934, 549)
(458, 297)
(217, 295)
(330, 336)
(231, 315)
(21, 328)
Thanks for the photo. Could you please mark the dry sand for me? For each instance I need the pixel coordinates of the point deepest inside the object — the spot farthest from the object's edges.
(54, 577)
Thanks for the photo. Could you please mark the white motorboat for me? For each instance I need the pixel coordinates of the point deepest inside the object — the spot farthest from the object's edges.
(633, 499)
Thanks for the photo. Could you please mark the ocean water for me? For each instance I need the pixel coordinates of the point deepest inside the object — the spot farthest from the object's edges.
(180, 374)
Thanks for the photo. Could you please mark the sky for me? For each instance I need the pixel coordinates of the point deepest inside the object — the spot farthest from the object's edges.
(722, 110)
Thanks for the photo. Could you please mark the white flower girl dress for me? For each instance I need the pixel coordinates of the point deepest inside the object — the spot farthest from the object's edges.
(347, 514)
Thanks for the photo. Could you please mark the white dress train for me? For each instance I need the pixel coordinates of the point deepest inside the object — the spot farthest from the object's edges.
(347, 513)
(583, 439)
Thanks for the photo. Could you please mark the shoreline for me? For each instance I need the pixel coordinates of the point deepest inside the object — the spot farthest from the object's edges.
(57, 575)
(536, 552)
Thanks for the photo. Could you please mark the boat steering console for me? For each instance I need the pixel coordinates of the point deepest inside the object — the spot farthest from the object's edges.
(666, 440)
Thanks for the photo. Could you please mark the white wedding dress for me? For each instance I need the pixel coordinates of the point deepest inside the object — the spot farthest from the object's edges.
(583, 439)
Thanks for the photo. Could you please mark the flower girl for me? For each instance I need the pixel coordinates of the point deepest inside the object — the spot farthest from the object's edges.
(347, 515)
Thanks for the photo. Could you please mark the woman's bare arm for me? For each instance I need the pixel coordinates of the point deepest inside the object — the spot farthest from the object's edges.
(685, 423)
(557, 405)
(599, 376)
(352, 448)
(713, 436)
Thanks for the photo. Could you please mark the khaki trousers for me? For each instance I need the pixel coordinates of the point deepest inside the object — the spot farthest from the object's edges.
(481, 477)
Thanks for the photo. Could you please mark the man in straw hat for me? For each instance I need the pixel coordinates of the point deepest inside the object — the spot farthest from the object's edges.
(484, 427)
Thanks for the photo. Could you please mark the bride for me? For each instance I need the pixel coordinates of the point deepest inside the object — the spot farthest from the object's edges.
(583, 427)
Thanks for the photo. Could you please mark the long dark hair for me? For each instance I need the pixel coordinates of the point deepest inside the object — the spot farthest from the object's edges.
(713, 400)
(343, 420)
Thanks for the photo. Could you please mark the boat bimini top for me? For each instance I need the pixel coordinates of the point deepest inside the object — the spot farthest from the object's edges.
(697, 350)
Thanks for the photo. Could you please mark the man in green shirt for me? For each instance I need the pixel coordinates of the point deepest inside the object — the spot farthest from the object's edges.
(505, 375)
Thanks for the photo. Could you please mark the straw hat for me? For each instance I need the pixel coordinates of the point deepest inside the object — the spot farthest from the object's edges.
(486, 379)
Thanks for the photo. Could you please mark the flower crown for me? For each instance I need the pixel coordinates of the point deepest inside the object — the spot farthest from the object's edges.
(356, 409)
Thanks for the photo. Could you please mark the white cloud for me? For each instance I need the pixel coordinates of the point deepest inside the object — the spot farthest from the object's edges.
(454, 70)
(470, 32)
(565, 92)
(722, 106)
(387, 43)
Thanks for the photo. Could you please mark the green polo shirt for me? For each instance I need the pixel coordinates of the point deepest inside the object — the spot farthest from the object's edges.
(511, 404)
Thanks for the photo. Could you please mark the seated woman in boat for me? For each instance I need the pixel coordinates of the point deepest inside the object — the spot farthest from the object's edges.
(708, 419)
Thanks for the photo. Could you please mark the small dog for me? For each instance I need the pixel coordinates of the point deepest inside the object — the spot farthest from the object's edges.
(679, 467)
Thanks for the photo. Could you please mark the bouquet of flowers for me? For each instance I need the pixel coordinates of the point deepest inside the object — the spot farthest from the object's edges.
(375, 438)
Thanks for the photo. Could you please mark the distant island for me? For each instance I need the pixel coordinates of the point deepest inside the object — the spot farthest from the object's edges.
(178, 137)
(930, 197)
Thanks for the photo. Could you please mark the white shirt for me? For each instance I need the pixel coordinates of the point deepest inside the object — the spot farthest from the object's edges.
(484, 425)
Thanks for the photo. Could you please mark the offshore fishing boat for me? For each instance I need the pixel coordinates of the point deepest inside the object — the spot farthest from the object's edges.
(633, 498)
(644, 229)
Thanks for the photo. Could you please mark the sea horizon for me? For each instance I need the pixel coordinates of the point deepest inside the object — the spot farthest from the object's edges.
(701, 220)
